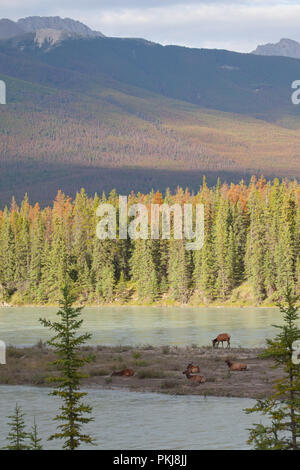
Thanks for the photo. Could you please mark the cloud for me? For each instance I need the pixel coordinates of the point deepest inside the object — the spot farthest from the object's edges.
(237, 25)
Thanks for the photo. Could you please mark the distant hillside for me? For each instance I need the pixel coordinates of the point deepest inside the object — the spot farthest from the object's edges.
(285, 47)
(215, 79)
(126, 113)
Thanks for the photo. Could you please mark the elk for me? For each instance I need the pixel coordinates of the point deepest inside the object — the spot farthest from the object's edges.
(124, 373)
(236, 366)
(223, 337)
(194, 378)
(192, 369)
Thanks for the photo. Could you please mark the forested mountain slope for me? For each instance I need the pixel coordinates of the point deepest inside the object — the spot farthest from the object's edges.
(106, 112)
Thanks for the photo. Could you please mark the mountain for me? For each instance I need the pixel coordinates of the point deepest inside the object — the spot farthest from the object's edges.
(228, 81)
(47, 38)
(105, 113)
(71, 28)
(285, 47)
(9, 29)
(34, 23)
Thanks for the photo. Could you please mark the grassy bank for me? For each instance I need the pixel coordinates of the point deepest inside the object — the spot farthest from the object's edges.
(157, 369)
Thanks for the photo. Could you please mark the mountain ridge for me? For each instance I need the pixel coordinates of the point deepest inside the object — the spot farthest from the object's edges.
(218, 79)
(284, 48)
(9, 28)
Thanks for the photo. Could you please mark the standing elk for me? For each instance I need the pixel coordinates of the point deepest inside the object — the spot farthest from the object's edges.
(236, 366)
(222, 338)
(194, 378)
(124, 373)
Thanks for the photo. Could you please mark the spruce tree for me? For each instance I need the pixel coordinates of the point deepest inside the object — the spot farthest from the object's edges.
(17, 436)
(7, 251)
(35, 441)
(179, 273)
(74, 413)
(143, 271)
(282, 408)
(256, 246)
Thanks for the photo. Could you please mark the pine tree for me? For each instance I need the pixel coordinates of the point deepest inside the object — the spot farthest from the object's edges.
(37, 244)
(7, 251)
(179, 274)
(143, 271)
(283, 407)
(256, 247)
(224, 281)
(22, 242)
(103, 269)
(205, 271)
(66, 343)
(35, 441)
(285, 248)
(17, 436)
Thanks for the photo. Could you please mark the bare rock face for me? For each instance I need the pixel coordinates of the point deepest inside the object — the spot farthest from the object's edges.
(50, 37)
(285, 47)
(35, 23)
(9, 29)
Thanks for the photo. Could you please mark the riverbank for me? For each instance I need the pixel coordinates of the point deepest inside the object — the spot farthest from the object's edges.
(157, 369)
(158, 304)
(241, 297)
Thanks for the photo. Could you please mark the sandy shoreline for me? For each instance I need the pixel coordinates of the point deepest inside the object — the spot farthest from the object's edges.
(157, 369)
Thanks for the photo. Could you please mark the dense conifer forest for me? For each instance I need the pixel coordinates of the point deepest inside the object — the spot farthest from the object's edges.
(251, 249)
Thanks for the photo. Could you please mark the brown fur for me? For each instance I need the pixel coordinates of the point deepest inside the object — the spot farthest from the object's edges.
(192, 369)
(236, 366)
(194, 378)
(221, 338)
(124, 373)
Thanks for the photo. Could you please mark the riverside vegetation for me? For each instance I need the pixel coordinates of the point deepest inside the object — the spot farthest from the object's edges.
(251, 249)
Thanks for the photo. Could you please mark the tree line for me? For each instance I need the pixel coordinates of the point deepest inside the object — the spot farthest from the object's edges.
(251, 248)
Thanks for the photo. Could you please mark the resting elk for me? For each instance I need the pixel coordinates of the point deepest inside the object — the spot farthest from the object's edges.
(236, 365)
(192, 369)
(124, 373)
(222, 338)
(194, 378)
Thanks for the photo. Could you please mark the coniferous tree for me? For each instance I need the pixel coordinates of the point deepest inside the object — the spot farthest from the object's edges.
(283, 408)
(143, 271)
(35, 441)
(7, 251)
(74, 413)
(35, 268)
(256, 246)
(224, 281)
(17, 436)
(178, 275)
(285, 248)
(205, 265)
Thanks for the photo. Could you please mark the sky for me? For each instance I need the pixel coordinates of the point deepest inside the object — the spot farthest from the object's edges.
(238, 25)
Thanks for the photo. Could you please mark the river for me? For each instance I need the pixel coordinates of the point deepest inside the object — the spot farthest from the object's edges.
(158, 326)
(132, 420)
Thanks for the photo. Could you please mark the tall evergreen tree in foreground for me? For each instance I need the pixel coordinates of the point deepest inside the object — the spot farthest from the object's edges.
(17, 436)
(283, 408)
(74, 413)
